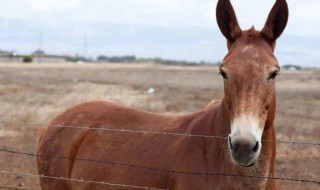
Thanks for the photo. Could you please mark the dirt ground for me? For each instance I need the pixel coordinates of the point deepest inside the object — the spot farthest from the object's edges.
(35, 93)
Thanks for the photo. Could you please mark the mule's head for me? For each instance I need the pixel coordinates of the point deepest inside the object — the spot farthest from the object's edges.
(249, 71)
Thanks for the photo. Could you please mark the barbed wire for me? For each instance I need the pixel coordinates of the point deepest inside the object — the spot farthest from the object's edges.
(160, 170)
(79, 180)
(13, 188)
(294, 142)
(117, 130)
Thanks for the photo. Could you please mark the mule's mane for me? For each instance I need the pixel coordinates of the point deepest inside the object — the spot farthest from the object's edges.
(252, 32)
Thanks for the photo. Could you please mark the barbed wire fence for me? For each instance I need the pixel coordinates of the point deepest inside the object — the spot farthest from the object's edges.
(79, 180)
(11, 151)
(150, 132)
(3, 187)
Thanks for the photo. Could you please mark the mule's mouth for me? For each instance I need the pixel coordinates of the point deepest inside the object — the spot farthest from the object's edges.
(250, 165)
(243, 152)
(244, 162)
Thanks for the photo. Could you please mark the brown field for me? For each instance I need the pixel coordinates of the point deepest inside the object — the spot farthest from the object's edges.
(36, 93)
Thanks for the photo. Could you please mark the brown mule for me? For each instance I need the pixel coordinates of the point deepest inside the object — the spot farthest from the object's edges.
(246, 114)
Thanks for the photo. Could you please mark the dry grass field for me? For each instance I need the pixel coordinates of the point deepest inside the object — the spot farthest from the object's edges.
(35, 93)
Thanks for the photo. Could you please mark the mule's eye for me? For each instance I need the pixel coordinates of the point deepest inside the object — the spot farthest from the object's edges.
(273, 75)
(223, 74)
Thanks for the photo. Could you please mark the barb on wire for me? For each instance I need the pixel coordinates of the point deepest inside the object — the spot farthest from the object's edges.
(161, 170)
(78, 180)
(293, 142)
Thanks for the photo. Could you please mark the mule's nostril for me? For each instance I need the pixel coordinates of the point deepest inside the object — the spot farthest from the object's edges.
(256, 147)
(229, 138)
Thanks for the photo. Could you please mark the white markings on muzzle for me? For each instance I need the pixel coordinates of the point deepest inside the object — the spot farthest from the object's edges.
(246, 126)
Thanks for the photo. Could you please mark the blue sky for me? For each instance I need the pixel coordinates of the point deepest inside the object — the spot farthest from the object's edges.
(172, 29)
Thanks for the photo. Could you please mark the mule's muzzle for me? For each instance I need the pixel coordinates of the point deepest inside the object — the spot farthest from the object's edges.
(244, 150)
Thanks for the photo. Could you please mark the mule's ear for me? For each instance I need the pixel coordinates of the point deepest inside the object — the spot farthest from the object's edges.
(227, 20)
(277, 21)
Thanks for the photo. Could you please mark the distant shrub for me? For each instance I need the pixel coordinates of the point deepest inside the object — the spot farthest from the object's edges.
(28, 59)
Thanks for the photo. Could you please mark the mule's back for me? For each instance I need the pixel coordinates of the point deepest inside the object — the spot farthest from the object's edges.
(112, 145)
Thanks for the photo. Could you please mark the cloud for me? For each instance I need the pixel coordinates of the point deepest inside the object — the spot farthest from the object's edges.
(175, 25)
(51, 5)
(168, 13)
(304, 19)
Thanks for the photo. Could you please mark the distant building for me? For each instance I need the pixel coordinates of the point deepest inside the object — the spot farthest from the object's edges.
(10, 56)
(38, 56)
(291, 67)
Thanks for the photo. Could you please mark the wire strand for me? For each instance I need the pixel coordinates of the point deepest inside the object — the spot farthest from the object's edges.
(294, 142)
(13, 188)
(117, 130)
(79, 180)
(162, 170)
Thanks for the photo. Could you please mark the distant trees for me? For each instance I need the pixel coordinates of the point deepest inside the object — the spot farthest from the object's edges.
(78, 58)
(117, 59)
(133, 59)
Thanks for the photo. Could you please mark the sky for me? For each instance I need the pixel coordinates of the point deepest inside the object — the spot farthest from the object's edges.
(170, 29)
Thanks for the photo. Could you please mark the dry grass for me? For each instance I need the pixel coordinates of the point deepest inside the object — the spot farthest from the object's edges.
(36, 93)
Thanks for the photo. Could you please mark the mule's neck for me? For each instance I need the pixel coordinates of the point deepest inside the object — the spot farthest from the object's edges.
(211, 120)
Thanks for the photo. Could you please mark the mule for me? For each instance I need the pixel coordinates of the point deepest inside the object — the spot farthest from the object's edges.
(245, 114)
